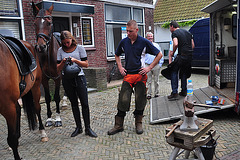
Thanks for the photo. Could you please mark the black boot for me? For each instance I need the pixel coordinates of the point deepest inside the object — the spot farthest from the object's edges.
(90, 132)
(76, 132)
(86, 118)
(77, 118)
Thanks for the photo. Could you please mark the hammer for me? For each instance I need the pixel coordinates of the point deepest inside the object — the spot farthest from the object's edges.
(175, 125)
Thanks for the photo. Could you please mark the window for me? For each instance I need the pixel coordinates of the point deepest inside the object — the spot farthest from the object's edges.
(87, 32)
(234, 26)
(117, 14)
(116, 20)
(114, 36)
(64, 1)
(8, 8)
(11, 25)
(138, 15)
(115, 33)
(12, 17)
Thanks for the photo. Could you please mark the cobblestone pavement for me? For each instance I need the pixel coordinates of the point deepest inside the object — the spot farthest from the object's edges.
(127, 145)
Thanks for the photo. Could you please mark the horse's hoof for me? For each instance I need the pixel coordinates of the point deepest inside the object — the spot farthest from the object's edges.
(44, 139)
(64, 104)
(58, 124)
(48, 124)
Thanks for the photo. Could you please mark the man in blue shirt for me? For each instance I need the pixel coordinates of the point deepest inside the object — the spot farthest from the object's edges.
(135, 75)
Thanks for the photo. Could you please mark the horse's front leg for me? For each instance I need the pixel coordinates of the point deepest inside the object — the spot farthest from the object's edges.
(45, 84)
(58, 121)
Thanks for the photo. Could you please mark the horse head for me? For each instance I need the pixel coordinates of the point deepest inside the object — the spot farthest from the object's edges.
(43, 27)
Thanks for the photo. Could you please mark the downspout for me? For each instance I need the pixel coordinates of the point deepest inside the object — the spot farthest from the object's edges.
(237, 83)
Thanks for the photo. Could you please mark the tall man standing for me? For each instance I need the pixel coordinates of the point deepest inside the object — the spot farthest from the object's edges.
(135, 75)
(183, 40)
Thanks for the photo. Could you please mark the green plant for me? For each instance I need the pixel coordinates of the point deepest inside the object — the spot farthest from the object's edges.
(181, 24)
(52, 95)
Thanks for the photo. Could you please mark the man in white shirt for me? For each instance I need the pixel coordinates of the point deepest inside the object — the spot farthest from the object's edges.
(153, 75)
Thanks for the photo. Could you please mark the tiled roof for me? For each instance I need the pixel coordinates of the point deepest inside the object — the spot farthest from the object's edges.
(179, 10)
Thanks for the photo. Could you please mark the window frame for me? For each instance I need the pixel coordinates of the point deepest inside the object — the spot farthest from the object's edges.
(107, 22)
(91, 30)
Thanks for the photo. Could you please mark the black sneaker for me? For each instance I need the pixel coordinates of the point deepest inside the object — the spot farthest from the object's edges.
(173, 97)
(182, 93)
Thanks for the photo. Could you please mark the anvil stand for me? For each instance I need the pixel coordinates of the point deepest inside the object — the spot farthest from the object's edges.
(187, 138)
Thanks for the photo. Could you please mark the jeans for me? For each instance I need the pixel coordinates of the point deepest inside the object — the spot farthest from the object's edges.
(180, 71)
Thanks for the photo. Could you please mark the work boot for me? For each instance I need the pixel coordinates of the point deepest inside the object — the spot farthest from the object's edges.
(182, 93)
(173, 97)
(138, 124)
(118, 126)
(77, 131)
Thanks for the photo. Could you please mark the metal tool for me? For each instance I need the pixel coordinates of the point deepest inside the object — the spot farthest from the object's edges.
(174, 127)
(189, 117)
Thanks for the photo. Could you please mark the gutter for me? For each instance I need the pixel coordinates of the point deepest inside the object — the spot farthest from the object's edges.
(130, 3)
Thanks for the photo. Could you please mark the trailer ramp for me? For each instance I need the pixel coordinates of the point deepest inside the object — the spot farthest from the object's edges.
(162, 110)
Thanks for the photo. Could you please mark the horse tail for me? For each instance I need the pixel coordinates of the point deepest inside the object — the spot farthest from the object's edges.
(29, 108)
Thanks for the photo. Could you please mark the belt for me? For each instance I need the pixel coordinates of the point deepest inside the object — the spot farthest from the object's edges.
(135, 72)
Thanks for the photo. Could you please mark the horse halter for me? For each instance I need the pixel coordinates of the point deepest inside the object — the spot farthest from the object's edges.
(45, 37)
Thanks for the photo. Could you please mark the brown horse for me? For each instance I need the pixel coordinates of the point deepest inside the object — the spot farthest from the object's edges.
(10, 93)
(47, 47)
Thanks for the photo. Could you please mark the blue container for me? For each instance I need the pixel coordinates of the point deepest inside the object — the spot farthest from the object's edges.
(215, 98)
(209, 103)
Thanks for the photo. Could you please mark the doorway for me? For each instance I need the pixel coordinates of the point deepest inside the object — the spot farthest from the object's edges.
(60, 24)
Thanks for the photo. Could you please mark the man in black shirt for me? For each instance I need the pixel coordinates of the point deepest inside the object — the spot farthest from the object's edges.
(183, 40)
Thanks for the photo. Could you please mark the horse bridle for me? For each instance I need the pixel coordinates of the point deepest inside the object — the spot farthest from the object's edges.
(45, 37)
(47, 40)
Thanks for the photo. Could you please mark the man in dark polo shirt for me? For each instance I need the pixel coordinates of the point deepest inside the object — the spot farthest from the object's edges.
(135, 75)
(181, 66)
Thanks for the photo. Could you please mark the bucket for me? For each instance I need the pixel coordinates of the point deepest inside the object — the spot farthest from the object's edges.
(208, 150)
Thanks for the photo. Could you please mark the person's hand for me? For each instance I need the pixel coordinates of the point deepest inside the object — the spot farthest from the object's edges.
(144, 71)
(122, 71)
(73, 59)
(64, 60)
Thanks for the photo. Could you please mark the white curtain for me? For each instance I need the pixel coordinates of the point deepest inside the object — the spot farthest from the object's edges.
(110, 40)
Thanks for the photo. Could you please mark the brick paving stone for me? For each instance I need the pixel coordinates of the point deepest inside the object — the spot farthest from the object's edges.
(126, 145)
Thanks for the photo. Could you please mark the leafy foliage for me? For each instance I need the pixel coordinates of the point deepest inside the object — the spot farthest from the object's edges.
(181, 24)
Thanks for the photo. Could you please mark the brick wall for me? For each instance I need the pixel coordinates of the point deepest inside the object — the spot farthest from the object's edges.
(96, 78)
(96, 56)
(149, 20)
